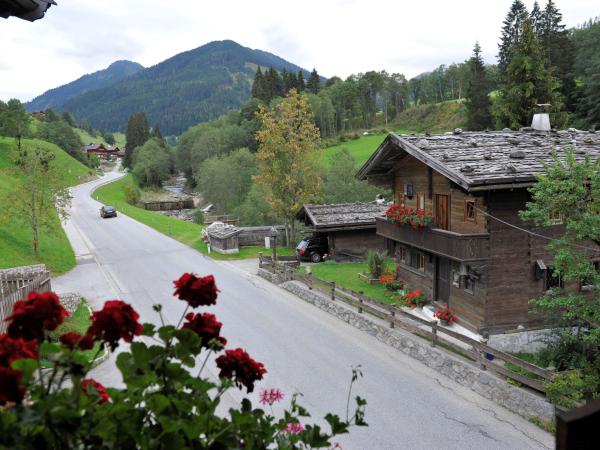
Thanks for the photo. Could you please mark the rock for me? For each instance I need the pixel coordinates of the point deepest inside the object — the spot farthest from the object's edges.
(473, 143)
(457, 131)
(423, 144)
(511, 169)
(513, 141)
(467, 168)
(518, 154)
(506, 129)
(488, 156)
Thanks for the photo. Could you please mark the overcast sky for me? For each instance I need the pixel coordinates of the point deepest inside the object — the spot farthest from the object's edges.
(338, 37)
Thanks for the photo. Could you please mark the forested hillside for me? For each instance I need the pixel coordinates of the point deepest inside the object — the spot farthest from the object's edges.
(195, 86)
(57, 97)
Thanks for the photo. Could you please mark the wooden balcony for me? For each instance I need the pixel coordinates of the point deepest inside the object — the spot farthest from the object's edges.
(460, 247)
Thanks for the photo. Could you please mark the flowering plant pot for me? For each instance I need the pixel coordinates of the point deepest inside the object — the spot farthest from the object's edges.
(446, 315)
(417, 218)
(390, 281)
(413, 299)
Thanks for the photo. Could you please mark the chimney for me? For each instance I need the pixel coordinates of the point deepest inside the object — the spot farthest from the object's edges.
(541, 120)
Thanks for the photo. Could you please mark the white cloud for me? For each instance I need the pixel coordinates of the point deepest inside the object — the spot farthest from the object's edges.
(338, 37)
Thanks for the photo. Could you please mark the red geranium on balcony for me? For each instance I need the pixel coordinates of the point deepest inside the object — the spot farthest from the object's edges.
(417, 218)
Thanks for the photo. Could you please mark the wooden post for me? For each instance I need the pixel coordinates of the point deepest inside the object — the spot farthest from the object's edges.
(360, 302)
(309, 280)
(393, 314)
(260, 259)
(333, 290)
(434, 327)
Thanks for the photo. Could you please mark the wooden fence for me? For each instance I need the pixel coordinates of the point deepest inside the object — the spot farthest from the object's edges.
(17, 283)
(169, 205)
(229, 220)
(487, 357)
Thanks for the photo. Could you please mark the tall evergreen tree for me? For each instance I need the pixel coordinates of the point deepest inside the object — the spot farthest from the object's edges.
(526, 82)
(273, 84)
(258, 87)
(138, 132)
(558, 47)
(301, 85)
(313, 84)
(537, 18)
(479, 114)
(511, 31)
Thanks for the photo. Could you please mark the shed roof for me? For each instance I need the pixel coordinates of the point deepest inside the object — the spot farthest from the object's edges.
(223, 232)
(482, 160)
(341, 216)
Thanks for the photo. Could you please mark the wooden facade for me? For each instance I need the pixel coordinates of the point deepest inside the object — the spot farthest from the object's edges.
(478, 257)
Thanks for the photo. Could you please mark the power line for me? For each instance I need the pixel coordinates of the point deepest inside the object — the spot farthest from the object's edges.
(541, 236)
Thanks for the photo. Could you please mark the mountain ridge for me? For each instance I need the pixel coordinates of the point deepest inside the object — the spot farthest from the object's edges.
(190, 87)
(55, 98)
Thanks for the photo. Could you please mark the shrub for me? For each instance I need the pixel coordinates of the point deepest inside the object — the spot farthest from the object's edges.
(166, 402)
(132, 194)
(445, 314)
(198, 216)
(389, 280)
(375, 263)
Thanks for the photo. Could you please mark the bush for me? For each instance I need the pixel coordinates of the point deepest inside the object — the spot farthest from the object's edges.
(166, 402)
(375, 263)
(198, 216)
(132, 194)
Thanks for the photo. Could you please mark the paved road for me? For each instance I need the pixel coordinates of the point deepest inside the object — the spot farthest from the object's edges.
(303, 348)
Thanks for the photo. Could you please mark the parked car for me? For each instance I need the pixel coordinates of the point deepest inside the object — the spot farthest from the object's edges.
(313, 249)
(108, 211)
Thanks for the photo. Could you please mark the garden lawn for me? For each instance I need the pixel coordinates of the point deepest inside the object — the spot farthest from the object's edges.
(346, 275)
(361, 149)
(186, 232)
(15, 236)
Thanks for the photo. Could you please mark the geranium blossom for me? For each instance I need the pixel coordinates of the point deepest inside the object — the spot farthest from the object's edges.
(239, 364)
(196, 291)
(30, 318)
(117, 320)
(270, 396)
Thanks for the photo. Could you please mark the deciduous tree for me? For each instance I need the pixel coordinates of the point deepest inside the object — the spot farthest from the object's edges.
(287, 155)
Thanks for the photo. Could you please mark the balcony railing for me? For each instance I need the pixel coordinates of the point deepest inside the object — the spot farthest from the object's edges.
(461, 247)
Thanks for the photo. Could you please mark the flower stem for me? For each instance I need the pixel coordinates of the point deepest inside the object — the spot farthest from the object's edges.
(183, 315)
(204, 363)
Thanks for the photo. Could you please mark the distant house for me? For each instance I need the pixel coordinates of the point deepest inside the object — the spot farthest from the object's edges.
(478, 257)
(41, 115)
(349, 227)
(102, 152)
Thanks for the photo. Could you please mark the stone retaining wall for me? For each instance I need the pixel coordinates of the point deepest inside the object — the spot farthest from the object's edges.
(520, 401)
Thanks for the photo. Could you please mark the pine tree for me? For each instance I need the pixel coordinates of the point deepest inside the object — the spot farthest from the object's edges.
(526, 82)
(138, 132)
(511, 30)
(557, 47)
(300, 86)
(313, 84)
(589, 105)
(158, 135)
(273, 84)
(258, 90)
(479, 115)
(537, 18)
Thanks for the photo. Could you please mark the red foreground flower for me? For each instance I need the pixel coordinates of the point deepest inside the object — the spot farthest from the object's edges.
(73, 340)
(41, 311)
(206, 326)
(237, 362)
(117, 320)
(85, 385)
(10, 386)
(15, 349)
(196, 291)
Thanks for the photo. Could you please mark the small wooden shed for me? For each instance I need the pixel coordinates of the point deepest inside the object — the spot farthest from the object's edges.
(349, 227)
(224, 239)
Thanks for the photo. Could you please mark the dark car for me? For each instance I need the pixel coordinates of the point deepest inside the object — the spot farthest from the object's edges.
(108, 211)
(312, 249)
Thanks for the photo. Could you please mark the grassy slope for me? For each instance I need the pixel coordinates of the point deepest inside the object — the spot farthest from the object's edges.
(361, 148)
(86, 138)
(185, 232)
(15, 238)
(434, 118)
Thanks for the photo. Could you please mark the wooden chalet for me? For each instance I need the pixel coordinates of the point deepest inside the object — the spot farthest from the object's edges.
(349, 227)
(102, 152)
(475, 183)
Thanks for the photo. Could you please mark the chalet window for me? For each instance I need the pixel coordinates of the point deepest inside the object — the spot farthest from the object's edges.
(408, 190)
(420, 200)
(554, 280)
(470, 211)
(555, 218)
(470, 280)
(401, 254)
(417, 260)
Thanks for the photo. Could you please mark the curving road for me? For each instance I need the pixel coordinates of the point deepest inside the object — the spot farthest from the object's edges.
(303, 348)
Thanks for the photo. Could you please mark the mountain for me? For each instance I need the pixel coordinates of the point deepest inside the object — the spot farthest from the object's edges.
(57, 97)
(191, 87)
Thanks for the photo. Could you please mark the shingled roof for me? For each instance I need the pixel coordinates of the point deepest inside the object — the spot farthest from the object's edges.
(482, 160)
(341, 216)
